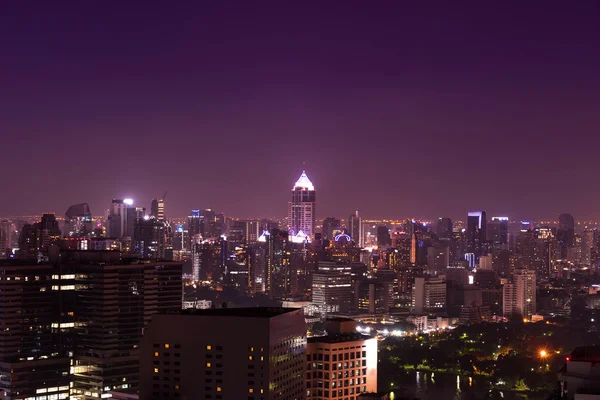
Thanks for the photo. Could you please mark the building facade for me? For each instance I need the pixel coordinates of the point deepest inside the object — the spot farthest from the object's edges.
(301, 210)
(342, 364)
(225, 354)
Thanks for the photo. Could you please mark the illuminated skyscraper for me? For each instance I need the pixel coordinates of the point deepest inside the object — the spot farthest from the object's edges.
(476, 232)
(301, 210)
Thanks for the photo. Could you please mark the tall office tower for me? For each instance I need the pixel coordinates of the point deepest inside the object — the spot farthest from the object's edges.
(330, 226)
(133, 215)
(355, 229)
(301, 210)
(214, 223)
(78, 221)
(246, 353)
(6, 236)
(498, 230)
(476, 232)
(374, 296)
(208, 259)
(256, 264)
(117, 218)
(236, 232)
(349, 359)
(114, 302)
(28, 248)
(383, 236)
(32, 360)
(519, 296)
(438, 259)
(574, 252)
(195, 223)
(565, 234)
(429, 295)
(253, 231)
(444, 228)
(332, 291)
(157, 209)
(277, 263)
(587, 243)
(46, 231)
(150, 238)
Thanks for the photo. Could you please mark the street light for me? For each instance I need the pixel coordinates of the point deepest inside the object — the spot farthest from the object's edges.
(543, 353)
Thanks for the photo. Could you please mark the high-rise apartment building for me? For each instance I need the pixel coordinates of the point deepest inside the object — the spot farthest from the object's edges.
(341, 365)
(429, 295)
(519, 296)
(301, 210)
(225, 354)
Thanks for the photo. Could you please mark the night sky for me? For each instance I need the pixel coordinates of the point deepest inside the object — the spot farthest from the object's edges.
(394, 108)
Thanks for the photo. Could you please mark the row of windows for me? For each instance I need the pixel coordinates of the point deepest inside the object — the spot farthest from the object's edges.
(166, 354)
(338, 366)
(339, 384)
(335, 357)
(334, 375)
(335, 393)
(166, 346)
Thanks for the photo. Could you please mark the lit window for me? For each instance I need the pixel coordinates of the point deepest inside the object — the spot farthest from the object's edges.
(262, 390)
(209, 347)
(156, 370)
(177, 387)
(166, 345)
(250, 358)
(219, 388)
(156, 354)
(250, 390)
(251, 349)
(262, 358)
(208, 365)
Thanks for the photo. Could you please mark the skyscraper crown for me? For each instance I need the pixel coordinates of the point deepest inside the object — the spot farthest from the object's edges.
(303, 182)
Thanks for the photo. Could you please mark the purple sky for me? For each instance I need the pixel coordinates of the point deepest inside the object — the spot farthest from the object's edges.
(397, 108)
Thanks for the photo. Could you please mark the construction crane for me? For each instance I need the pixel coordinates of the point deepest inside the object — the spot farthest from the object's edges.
(164, 195)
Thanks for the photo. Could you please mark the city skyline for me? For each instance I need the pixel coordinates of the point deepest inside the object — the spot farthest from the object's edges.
(393, 109)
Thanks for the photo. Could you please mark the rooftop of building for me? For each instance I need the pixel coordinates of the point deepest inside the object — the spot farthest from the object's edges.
(586, 353)
(248, 312)
(339, 338)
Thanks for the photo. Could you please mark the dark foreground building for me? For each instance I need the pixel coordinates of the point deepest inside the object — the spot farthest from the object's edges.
(225, 354)
(72, 328)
